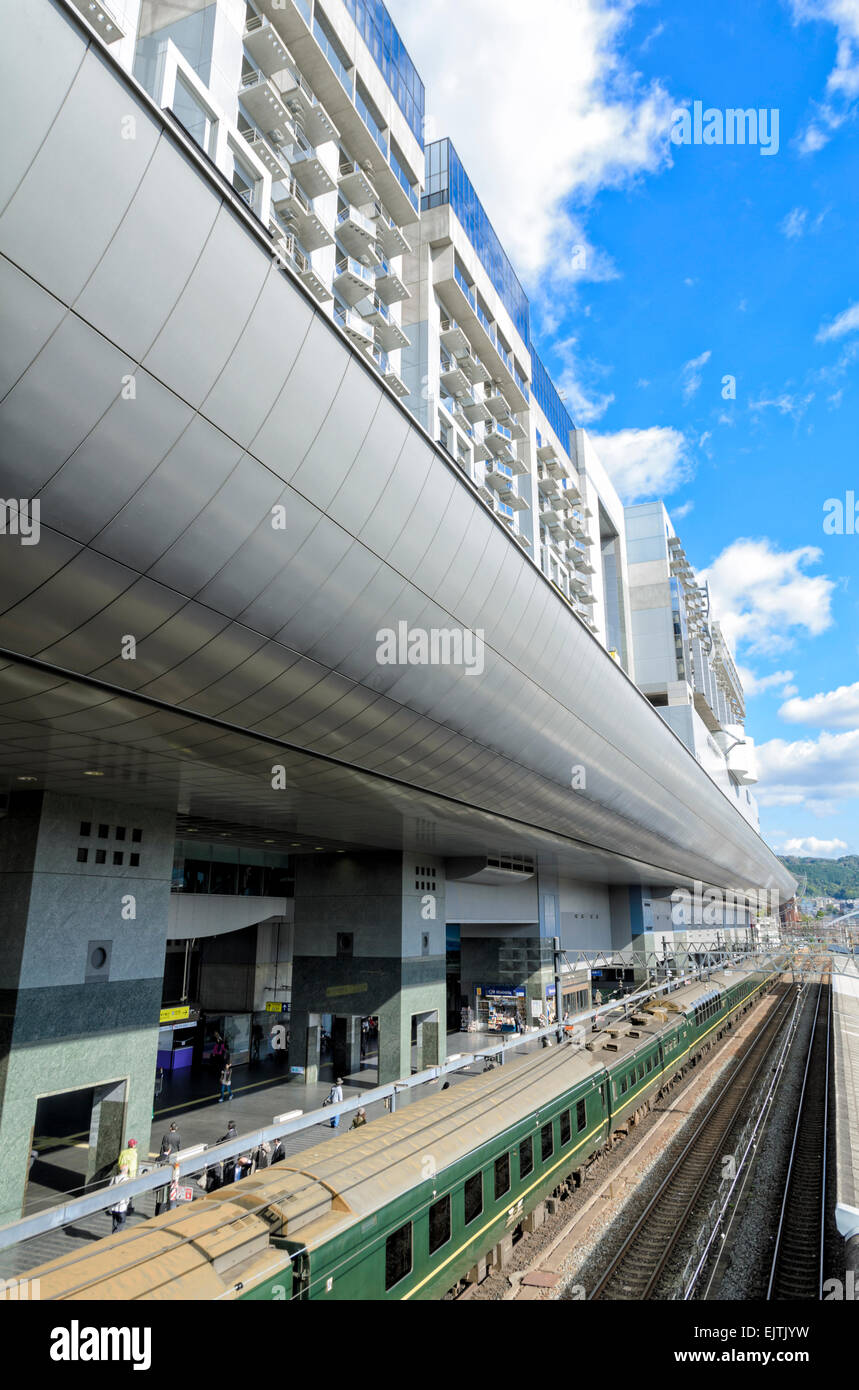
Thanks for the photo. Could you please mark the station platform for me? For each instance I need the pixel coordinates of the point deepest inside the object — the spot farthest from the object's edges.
(261, 1090)
(845, 1022)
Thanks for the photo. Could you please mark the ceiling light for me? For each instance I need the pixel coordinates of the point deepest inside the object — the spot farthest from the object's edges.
(26, 779)
(93, 774)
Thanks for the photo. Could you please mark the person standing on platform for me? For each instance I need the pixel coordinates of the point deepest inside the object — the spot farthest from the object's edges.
(360, 1119)
(171, 1142)
(129, 1159)
(335, 1096)
(226, 1083)
(119, 1210)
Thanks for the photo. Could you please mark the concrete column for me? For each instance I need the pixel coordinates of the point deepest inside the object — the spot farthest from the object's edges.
(369, 938)
(107, 1129)
(85, 887)
(428, 1045)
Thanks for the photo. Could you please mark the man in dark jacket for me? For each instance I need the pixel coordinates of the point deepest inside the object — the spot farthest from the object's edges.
(229, 1167)
(171, 1141)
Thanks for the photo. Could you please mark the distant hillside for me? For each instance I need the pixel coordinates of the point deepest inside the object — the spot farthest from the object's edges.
(835, 878)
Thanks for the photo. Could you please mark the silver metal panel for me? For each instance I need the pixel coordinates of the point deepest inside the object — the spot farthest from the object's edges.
(280, 644)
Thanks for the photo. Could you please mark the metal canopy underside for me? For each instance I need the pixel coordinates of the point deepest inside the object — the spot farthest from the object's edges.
(257, 645)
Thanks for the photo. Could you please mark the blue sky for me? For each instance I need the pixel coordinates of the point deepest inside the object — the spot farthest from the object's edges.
(657, 270)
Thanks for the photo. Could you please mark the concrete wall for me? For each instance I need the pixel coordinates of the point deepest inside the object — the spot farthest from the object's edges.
(81, 961)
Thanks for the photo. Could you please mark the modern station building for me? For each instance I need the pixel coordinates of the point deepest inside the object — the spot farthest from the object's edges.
(336, 683)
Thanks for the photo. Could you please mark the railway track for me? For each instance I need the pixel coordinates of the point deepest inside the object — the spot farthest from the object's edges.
(635, 1270)
(797, 1265)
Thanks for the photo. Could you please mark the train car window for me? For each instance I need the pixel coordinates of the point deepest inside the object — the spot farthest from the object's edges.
(398, 1256)
(641, 1071)
(502, 1176)
(439, 1224)
(547, 1141)
(526, 1157)
(566, 1127)
(473, 1197)
(581, 1115)
(624, 1085)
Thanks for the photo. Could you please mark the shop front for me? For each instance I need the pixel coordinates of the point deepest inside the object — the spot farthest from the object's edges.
(501, 1008)
(575, 994)
(178, 1034)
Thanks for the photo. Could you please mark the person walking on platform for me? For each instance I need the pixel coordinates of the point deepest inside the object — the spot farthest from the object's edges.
(129, 1159)
(171, 1141)
(226, 1083)
(335, 1096)
(119, 1210)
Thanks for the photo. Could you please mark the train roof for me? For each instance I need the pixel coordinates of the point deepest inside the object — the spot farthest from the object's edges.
(204, 1250)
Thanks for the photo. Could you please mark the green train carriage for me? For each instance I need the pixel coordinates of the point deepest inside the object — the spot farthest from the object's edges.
(404, 1207)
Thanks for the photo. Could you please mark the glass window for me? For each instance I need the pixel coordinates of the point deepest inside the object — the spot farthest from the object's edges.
(547, 1142)
(83, 856)
(223, 878)
(581, 1115)
(526, 1157)
(473, 1197)
(196, 876)
(398, 1256)
(86, 827)
(566, 1127)
(189, 111)
(502, 1176)
(439, 1224)
(250, 880)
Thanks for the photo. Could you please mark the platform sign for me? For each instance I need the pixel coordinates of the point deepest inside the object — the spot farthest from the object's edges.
(276, 1008)
(297, 1071)
(174, 1015)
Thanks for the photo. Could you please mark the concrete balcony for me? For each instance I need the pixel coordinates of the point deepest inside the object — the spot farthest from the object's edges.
(355, 328)
(571, 491)
(264, 106)
(307, 111)
(388, 234)
(499, 441)
(389, 285)
(352, 280)
(354, 184)
(292, 205)
(517, 430)
(265, 46)
(473, 368)
(357, 235)
(296, 259)
(549, 486)
(309, 170)
(497, 403)
(481, 451)
(453, 338)
(101, 19)
(454, 380)
(388, 373)
(474, 408)
(277, 167)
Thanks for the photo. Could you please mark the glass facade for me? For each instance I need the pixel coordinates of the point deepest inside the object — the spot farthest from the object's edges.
(447, 182)
(376, 27)
(546, 395)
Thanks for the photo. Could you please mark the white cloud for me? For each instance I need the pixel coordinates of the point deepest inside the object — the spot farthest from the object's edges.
(678, 513)
(814, 848)
(645, 463)
(758, 685)
(498, 71)
(817, 774)
(794, 224)
(692, 374)
(846, 322)
(763, 597)
(785, 404)
(831, 709)
(842, 84)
